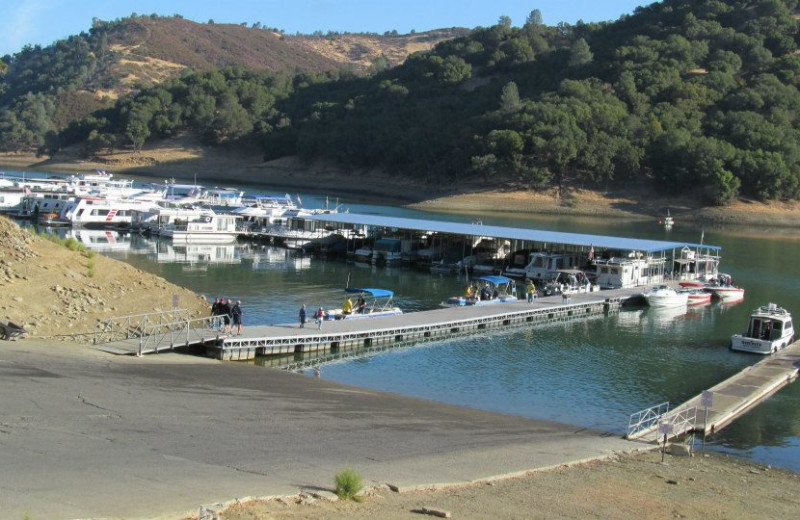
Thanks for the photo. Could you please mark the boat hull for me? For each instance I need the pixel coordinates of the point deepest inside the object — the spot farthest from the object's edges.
(726, 294)
(742, 343)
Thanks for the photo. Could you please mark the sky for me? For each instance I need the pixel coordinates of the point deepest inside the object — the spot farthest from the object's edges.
(42, 22)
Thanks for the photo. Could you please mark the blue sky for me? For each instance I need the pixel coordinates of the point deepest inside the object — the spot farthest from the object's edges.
(45, 21)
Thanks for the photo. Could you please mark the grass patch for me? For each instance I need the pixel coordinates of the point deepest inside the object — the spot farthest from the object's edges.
(348, 484)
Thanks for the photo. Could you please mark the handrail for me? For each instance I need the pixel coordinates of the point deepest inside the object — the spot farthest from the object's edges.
(644, 420)
(137, 325)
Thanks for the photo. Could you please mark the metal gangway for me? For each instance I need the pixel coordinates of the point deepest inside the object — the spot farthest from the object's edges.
(658, 423)
(155, 331)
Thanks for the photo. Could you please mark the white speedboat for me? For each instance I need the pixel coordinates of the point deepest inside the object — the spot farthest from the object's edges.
(665, 296)
(485, 290)
(668, 221)
(770, 329)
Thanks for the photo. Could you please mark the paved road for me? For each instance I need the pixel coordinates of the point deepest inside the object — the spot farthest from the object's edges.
(85, 434)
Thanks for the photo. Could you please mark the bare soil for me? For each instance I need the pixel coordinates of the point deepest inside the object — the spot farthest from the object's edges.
(54, 292)
(636, 487)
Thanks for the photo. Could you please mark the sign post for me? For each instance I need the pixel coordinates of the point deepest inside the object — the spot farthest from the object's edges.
(707, 401)
(665, 429)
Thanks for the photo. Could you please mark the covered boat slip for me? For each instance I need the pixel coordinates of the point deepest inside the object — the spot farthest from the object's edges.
(617, 261)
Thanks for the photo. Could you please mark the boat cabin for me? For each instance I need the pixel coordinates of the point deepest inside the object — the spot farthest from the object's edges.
(770, 329)
(632, 271)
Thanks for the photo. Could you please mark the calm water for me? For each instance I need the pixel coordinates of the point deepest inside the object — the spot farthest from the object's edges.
(592, 372)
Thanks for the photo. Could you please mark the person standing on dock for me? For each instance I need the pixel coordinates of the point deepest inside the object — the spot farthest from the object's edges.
(303, 316)
(530, 289)
(236, 314)
(320, 318)
(225, 311)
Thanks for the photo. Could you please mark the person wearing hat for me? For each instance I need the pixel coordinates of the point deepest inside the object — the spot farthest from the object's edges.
(236, 314)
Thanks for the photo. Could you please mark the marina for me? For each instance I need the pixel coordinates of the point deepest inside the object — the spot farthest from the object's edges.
(274, 282)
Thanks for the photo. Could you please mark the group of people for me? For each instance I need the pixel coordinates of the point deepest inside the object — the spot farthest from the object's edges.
(231, 314)
(319, 315)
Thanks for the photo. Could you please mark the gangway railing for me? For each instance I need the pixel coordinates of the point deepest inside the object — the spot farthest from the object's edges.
(646, 419)
(155, 330)
(182, 332)
(137, 325)
(658, 423)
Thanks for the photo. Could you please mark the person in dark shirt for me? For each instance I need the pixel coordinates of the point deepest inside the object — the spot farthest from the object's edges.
(236, 315)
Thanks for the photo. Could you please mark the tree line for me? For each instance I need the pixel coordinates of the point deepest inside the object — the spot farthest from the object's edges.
(694, 96)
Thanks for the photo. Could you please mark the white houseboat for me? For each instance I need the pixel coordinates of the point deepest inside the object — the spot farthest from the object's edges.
(209, 229)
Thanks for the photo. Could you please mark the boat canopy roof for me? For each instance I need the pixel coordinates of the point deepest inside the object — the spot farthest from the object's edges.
(493, 279)
(376, 293)
(530, 235)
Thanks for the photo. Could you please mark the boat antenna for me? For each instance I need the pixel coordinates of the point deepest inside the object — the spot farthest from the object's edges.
(702, 236)
(348, 280)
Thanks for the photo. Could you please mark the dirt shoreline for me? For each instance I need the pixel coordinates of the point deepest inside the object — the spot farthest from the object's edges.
(186, 159)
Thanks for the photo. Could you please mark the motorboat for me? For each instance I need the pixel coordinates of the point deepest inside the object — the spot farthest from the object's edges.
(516, 262)
(770, 329)
(387, 252)
(696, 296)
(721, 287)
(668, 221)
(485, 290)
(378, 306)
(665, 296)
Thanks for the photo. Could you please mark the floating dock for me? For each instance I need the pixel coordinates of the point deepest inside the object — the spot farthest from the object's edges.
(356, 333)
(717, 407)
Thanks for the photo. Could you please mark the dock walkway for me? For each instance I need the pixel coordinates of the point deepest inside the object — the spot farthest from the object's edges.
(727, 400)
(366, 332)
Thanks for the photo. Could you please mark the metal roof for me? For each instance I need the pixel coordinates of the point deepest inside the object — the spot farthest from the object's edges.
(530, 235)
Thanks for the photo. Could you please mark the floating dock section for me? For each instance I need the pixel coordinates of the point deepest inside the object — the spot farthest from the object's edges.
(717, 407)
(417, 326)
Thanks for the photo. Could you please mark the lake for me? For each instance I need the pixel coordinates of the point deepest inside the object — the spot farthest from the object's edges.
(592, 373)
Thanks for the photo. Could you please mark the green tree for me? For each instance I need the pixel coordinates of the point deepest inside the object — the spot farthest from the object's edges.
(535, 18)
(509, 98)
(580, 54)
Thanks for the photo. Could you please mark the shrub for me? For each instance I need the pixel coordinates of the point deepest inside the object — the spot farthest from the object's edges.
(348, 484)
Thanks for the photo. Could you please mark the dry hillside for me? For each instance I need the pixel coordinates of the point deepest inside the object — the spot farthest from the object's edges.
(150, 50)
(55, 292)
